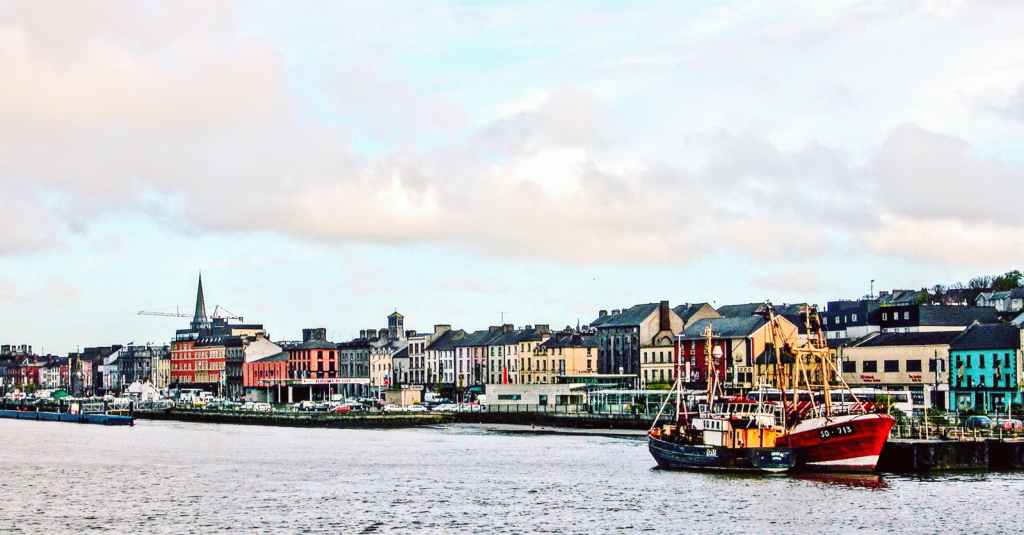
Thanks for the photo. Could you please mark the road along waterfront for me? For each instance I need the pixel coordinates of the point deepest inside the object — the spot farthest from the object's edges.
(179, 477)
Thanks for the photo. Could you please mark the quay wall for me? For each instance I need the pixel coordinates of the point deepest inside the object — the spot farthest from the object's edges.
(914, 456)
(386, 420)
(299, 419)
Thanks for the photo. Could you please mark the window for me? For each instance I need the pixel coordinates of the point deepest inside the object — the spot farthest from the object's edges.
(968, 361)
(854, 317)
(913, 365)
(869, 366)
(995, 360)
(892, 365)
(885, 316)
(1007, 361)
(981, 360)
(588, 364)
(932, 365)
(509, 397)
(906, 315)
(824, 320)
(849, 366)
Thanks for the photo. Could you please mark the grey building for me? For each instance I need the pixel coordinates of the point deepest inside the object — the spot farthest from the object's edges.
(140, 363)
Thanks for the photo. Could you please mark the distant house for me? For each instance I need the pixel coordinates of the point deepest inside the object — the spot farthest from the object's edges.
(925, 318)
(985, 368)
(743, 341)
(623, 336)
(143, 391)
(1009, 301)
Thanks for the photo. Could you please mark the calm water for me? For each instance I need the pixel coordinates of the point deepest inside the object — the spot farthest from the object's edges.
(166, 477)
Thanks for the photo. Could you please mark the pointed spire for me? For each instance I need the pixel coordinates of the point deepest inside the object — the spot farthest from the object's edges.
(200, 318)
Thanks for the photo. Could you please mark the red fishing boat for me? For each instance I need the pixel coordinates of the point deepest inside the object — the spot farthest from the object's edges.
(826, 436)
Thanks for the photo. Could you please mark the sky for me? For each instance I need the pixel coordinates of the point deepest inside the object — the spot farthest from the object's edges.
(327, 163)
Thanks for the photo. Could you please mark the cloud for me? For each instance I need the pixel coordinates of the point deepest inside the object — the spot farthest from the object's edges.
(795, 282)
(54, 291)
(181, 110)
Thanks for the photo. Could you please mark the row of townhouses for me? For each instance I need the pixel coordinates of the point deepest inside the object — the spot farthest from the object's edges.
(960, 350)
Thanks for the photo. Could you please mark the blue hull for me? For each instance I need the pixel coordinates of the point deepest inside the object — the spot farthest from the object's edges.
(103, 419)
(674, 456)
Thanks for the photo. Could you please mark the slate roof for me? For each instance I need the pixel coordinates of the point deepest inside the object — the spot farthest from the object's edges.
(908, 339)
(478, 338)
(685, 312)
(316, 344)
(749, 309)
(570, 340)
(951, 316)
(447, 340)
(995, 336)
(629, 317)
(276, 357)
(724, 327)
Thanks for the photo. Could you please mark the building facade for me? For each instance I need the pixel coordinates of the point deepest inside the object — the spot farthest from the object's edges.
(902, 361)
(985, 368)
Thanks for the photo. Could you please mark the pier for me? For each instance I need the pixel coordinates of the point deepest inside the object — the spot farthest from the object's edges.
(917, 456)
(75, 412)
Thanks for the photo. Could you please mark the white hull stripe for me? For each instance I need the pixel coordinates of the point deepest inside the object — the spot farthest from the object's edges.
(867, 460)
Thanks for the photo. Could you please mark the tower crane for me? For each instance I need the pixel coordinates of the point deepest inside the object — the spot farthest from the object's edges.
(176, 314)
(227, 314)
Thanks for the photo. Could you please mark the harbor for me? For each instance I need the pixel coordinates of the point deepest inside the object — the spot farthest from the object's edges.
(185, 477)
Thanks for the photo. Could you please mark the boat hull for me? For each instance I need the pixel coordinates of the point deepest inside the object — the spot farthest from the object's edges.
(848, 443)
(673, 456)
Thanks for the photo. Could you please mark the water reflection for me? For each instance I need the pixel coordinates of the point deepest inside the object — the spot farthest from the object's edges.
(863, 481)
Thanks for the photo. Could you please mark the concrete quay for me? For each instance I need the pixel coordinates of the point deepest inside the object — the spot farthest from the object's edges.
(535, 422)
(916, 456)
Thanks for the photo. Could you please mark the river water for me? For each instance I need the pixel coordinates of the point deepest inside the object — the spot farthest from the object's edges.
(170, 477)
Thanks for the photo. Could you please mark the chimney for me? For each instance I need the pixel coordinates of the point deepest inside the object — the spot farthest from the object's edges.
(602, 313)
(438, 329)
(362, 333)
(507, 327)
(615, 312)
(543, 328)
(663, 321)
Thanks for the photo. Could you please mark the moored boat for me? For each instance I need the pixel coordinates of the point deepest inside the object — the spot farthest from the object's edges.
(825, 436)
(736, 435)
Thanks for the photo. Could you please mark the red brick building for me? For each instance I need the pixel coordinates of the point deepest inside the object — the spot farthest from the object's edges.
(265, 379)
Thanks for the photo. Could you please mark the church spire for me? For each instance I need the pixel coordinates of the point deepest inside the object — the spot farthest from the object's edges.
(200, 319)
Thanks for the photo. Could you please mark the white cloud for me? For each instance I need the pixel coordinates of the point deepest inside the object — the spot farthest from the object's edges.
(746, 130)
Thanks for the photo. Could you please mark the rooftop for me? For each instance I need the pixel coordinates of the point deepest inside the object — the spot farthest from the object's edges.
(908, 339)
(995, 336)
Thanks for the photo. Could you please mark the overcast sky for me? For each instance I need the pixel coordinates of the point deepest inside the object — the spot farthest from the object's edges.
(324, 164)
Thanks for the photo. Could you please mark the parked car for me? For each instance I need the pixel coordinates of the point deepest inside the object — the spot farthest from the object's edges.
(1010, 424)
(469, 407)
(446, 407)
(417, 408)
(978, 422)
(342, 408)
(391, 407)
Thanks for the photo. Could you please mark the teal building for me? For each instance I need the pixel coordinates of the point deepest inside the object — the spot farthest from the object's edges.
(985, 368)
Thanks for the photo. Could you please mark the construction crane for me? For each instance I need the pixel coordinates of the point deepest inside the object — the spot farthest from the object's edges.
(176, 314)
(228, 315)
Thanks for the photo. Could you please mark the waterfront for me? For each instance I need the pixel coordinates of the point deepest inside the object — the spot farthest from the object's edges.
(175, 477)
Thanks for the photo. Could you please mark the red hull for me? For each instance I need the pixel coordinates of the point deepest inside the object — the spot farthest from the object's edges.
(849, 443)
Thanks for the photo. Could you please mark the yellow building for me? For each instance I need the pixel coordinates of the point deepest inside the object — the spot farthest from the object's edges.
(565, 353)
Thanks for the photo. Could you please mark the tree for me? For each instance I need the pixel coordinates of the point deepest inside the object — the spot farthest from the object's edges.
(981, 282)
(1007, 281)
